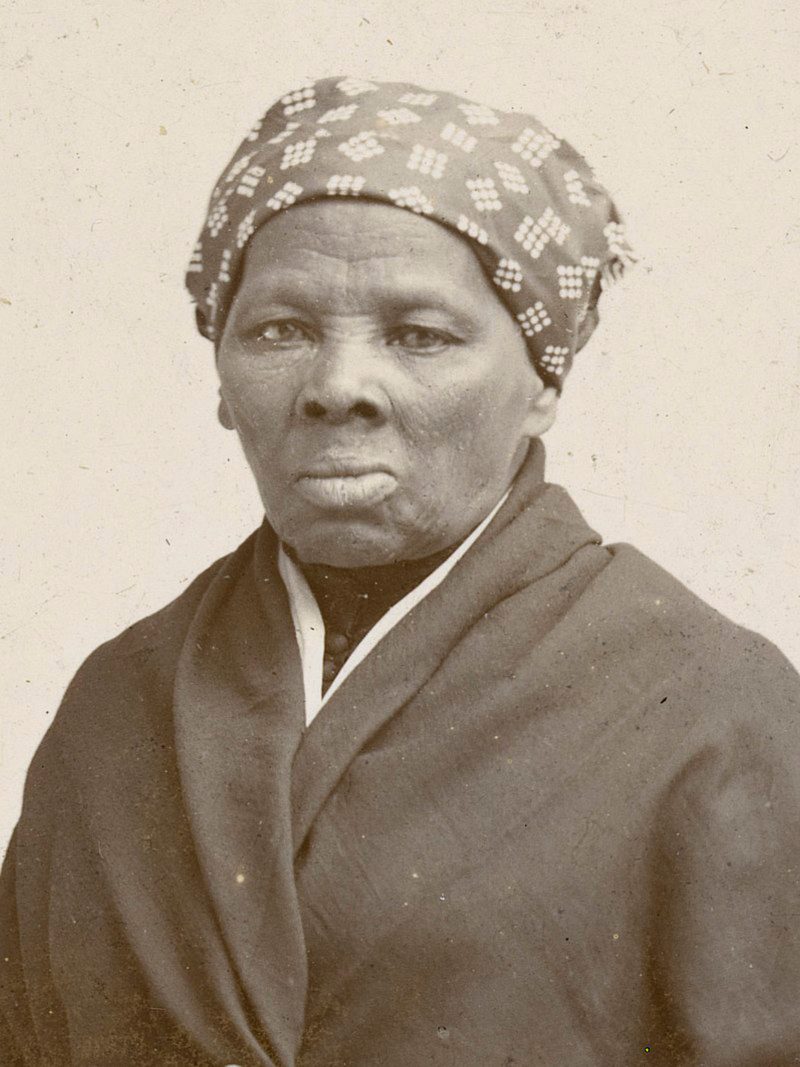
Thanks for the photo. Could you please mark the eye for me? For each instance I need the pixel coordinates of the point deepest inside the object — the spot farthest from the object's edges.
(282, 333)
(422, 339)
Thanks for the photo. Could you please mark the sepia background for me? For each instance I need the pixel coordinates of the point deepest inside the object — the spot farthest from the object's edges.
(680, 425)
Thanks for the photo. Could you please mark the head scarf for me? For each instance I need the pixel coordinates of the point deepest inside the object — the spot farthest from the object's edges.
(545, 231)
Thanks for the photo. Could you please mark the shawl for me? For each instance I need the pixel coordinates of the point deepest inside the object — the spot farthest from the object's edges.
(550, 819)
(526, 202)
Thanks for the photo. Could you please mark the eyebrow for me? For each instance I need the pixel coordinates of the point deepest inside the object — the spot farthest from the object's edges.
(399, 298)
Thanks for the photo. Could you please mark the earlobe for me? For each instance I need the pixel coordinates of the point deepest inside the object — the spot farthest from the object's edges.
(224, 414)
(542, 411)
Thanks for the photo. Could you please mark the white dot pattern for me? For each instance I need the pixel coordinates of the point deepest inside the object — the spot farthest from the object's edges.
(355, 87)
(399, 116)
(535, 146)
(345, 184)
(615, 235)
(239, 166)
(212, 297)
(459, 138)
(535, 235)
(285, 133)
(509, 275)
(554, 358)
(534, 319)
(225, 265)
(575, 189)
(479, 115)
(591, 265)
(472, 229)
(300, 100)
(250, 180)
(245, 229)
(339, 114)
(285, 197)
(255, 131)
(418, 99)
(427, 161)
(294, 155)
(512, 178)
(570, 282)
(412, 197)
(524, 200)
(362, 146)
(484, 193)
(218, 217)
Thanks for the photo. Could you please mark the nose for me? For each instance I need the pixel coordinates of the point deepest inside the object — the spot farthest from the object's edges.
(343, 383)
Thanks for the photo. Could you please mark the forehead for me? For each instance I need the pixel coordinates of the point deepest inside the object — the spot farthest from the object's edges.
(368, 243)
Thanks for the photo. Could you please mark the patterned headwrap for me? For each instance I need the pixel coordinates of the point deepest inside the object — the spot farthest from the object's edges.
(545, 231)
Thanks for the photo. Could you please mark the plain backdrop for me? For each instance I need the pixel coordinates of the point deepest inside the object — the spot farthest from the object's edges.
(680, 425)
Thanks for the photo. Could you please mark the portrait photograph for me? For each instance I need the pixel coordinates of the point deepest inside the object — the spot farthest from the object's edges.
(400, 600)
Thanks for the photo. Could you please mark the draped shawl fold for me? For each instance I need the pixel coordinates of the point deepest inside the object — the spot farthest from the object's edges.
(551, 819)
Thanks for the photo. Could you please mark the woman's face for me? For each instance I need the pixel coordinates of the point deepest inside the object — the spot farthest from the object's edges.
(383, 395)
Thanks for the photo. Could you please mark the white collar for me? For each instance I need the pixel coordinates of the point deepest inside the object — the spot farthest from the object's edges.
(310, 629)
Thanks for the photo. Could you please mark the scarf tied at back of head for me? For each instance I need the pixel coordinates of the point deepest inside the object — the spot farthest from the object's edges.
(545, 231)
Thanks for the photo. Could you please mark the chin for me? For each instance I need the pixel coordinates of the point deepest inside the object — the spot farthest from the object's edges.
(351, 544)
(348, 546)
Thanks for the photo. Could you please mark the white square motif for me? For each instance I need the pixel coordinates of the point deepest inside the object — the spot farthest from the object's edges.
(554, 358)
(285, 196)
(535, 147)
(458, 136)
(484, 192)
(399, 116)
(249, 183)
(512, 178)
(412, 197)
(339, 114)
(427, 161)
(287, 131)
(236, 168)
(245, 229)
(535, 235)
(534, 319)
(479, 115)
(575, 190)
(570, 282)
(418, 99)
(345, 184)
(472, 229)
(362, 145)
(355, 86)
(225, 265)
(300, 100)
(295, 155)
(508, 275)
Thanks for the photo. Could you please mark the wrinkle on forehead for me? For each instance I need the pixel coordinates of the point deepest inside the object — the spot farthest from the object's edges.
(363, 249)
(360, 230)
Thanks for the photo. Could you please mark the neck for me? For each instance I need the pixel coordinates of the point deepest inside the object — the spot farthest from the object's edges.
(352, 599)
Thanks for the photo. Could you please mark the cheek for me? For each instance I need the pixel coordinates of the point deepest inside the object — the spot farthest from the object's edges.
(475, 422)
(259, 402)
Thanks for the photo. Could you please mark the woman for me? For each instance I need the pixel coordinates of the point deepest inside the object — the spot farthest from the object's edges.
(422, 773)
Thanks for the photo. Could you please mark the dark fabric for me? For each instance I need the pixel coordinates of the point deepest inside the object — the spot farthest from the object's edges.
(551, 819)
(545, 230)
(351, 600)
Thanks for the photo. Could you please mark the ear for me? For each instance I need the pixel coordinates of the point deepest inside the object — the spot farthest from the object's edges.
(224, 414)
(542, 409)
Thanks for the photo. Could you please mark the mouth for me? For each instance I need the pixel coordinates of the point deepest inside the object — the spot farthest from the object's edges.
(345, 486)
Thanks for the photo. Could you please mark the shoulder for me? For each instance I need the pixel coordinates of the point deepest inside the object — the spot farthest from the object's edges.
(126, 683)
(648, 628)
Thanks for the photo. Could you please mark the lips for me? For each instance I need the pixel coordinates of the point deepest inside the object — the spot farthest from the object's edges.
(349, 488)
